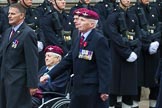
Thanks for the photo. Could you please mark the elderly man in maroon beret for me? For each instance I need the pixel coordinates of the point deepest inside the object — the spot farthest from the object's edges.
(91, 62)
(53, 55)
(76, 15)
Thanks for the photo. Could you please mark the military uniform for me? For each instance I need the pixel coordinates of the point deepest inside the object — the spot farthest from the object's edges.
(104, 8)
(43, 8)
(5, 18)
(123, 30)
(158, 5)
(32, 19)
(148, 61)
(53, 29)
(158, 79)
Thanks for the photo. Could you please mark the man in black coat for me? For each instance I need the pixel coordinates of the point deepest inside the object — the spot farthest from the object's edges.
(19, 62)
(76, 14)
(54, 23)
(104, 8)
(32, 19)
(82, 4)
(91, 62)
(122, 27)
(150, 25)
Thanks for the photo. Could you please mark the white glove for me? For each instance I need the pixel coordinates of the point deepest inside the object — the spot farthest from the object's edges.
(132, 57)
(153, 47)
(40, 46)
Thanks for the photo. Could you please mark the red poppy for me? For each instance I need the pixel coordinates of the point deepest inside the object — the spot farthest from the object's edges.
(85, 44)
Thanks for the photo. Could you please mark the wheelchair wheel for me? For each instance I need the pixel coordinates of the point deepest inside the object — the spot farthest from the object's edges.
(63, 103)
(50, 102)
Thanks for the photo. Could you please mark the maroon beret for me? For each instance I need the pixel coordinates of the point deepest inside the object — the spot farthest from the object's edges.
(54, 49)
(90, 14)
(79, 11)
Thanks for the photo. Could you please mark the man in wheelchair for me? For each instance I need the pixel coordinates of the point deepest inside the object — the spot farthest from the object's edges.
(53, 55)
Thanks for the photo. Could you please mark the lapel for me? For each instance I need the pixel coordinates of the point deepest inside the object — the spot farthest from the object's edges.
(88, 39)
(42, 71)
(17, 33)
(76, 45)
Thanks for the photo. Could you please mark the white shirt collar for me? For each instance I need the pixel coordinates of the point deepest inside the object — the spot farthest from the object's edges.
(17, 27)
(86, 34)
(51, 67)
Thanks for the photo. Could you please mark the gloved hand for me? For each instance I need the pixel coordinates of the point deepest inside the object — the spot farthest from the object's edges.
(153, 47)
(132, 57)
(40, 46)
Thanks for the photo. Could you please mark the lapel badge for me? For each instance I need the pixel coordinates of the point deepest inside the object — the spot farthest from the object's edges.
(18, 32)
(15, 43)
(153, 15)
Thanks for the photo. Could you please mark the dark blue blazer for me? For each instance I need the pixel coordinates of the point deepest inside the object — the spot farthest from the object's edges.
(91, 77)
(54, 85)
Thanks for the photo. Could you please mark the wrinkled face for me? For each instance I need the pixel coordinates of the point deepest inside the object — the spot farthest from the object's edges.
(26, 3)
(126, 3)
(84, 24)
(145, 1)
(76, 21)
(85, 1)
(51, 59)
(15, 16)
(60, 3)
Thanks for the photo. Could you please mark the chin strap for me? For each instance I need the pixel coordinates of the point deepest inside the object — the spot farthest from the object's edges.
(25, 5)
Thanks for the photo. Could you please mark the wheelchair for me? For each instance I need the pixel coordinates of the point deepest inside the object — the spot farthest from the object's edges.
(61, 101)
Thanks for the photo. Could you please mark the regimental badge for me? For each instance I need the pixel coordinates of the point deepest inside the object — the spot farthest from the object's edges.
(66, 35)
(77, 12)
(67, 38)
(85, 14)
(18, 32)
(130, 35)
(85, 54)
(15, 43)
(151, 29)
